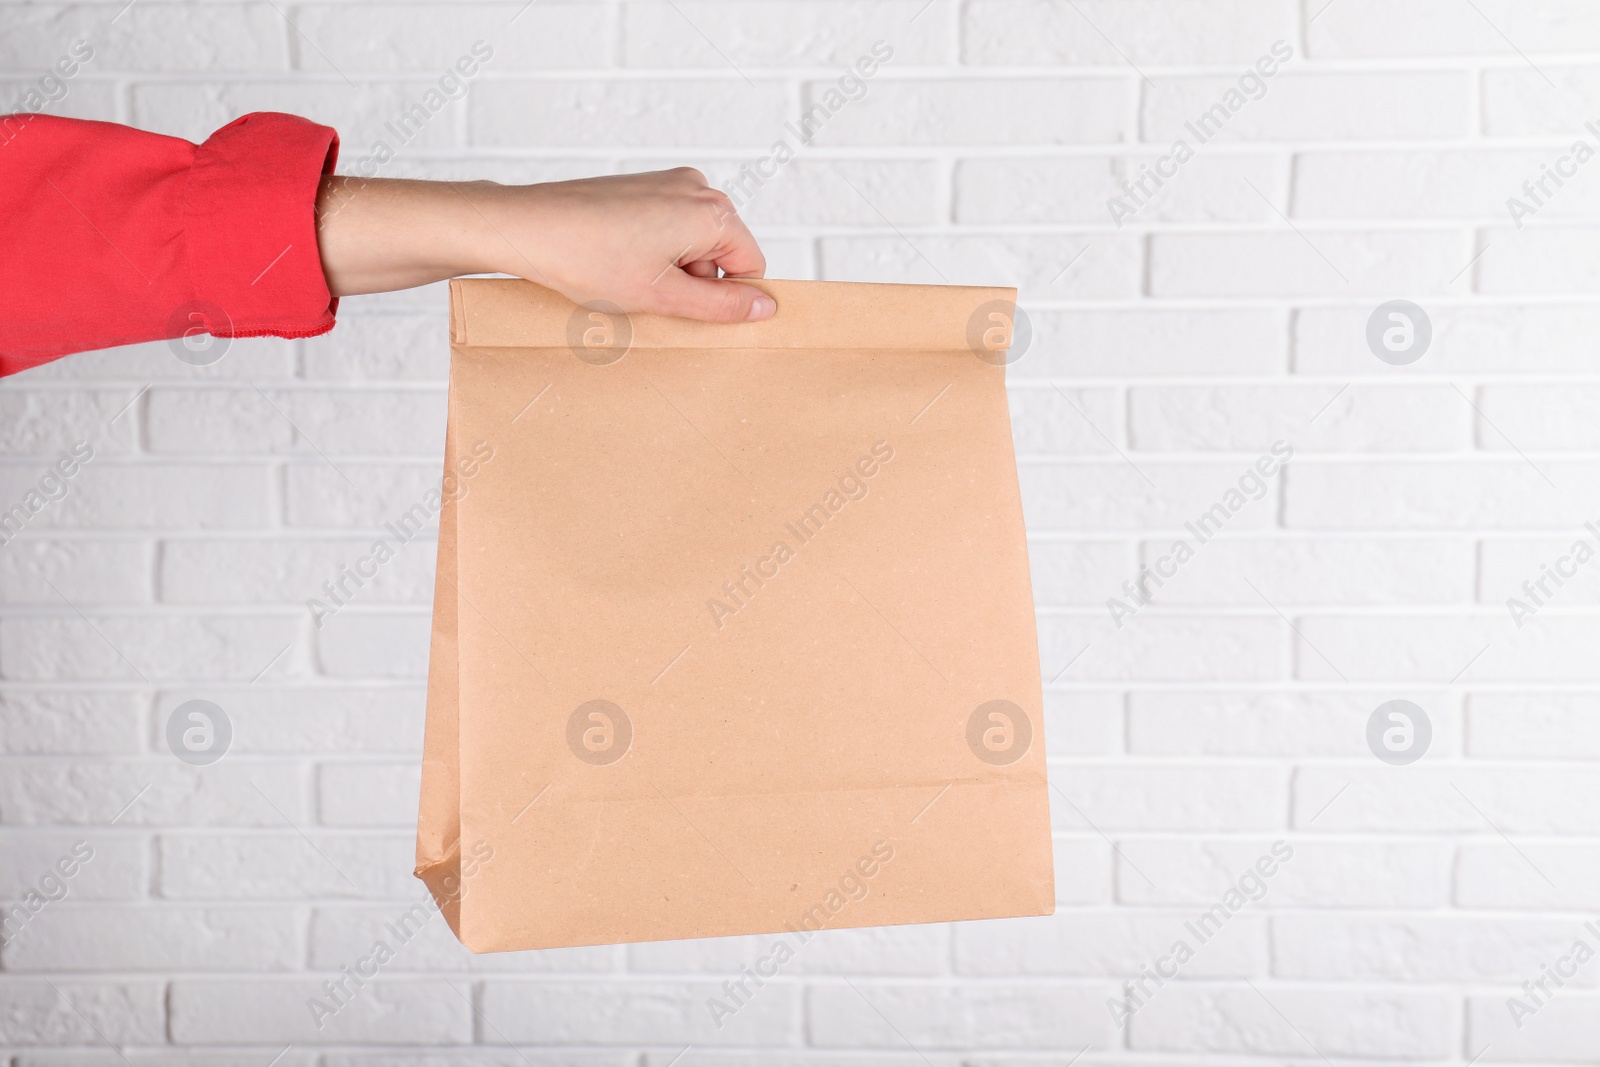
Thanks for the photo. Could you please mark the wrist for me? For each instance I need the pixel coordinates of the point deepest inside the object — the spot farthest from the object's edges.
(488, 226)
(458, 228)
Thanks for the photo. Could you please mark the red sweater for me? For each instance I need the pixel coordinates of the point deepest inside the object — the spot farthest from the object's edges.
(113, 236)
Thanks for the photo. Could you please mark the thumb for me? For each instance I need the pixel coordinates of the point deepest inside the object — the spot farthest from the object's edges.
(711, 299)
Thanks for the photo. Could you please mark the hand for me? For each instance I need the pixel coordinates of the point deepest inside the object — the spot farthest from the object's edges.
(650, 242)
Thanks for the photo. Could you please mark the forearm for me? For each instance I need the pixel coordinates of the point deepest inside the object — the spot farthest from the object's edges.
(662, 242)
(382, 234)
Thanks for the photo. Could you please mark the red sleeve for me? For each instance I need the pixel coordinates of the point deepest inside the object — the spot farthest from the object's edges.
(112, 236)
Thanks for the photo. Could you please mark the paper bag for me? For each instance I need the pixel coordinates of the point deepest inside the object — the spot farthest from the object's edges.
(733, 630)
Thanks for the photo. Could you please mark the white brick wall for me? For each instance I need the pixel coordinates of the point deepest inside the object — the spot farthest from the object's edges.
(1228, 313)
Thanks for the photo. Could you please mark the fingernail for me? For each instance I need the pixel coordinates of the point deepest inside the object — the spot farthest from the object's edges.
(761, 307)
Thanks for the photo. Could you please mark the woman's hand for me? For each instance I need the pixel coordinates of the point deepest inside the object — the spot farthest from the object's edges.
(651, 242)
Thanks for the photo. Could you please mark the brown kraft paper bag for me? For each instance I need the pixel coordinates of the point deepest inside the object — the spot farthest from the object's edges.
(733, 630)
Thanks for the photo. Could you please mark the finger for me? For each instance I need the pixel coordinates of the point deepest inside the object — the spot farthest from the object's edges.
(701, 268)
(737, 252)
(709, 299)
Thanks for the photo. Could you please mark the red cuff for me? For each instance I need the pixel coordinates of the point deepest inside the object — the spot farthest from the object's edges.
(251, 228)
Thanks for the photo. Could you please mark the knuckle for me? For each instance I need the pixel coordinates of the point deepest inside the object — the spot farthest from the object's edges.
(720, 207)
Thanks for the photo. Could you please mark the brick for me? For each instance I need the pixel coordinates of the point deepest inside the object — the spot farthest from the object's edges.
(56, 722)
(1497, 494)
(1448, 799)
(317, 496)
(193, 110)
(1312, 262)
(588, 1012)
(397, 1012)
(1114, 495)
(1056, 421)
(95, 938)
(375, 347)
(1543, 260)
(84, 100)
(1418, 948)
(67, 1012)
(312, 720)
(1447, 184)
(1140, 797)
(108, 495)
(129, 648)
(374, 646)
(1563, 726)
(93, 793)
(343, 934)
(118, 870)
(1283, 1021)
(979, 111)
(367, 794)
(1153, 343)
(1151, 648)
(781, 33)
(828, 192)
(1514, 569)
(1552, 100)
(1537, 417)
(1082, 723)
(1083, 871)
(87, 573)
(136, 365)
(1366, 106)
(1105, 33)
(1371, 28)
(285, 866)
(642, 113)
(1282, 724)
(321, 422)
(1508, 339)
(1369, 648)
(149, 37)
(887, 1016)
(431, 39)
(1090, 944)
(1238, 418)
(162, 1057)
(1079, 189)
(112, 495)
(899, 950)
(1076, 573)
(285, 571)
(1528, 876)
(206, 421)
(1564, 1029)
(1344, 874)
(1110, 267)
(1322, 570)
(48, 423)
